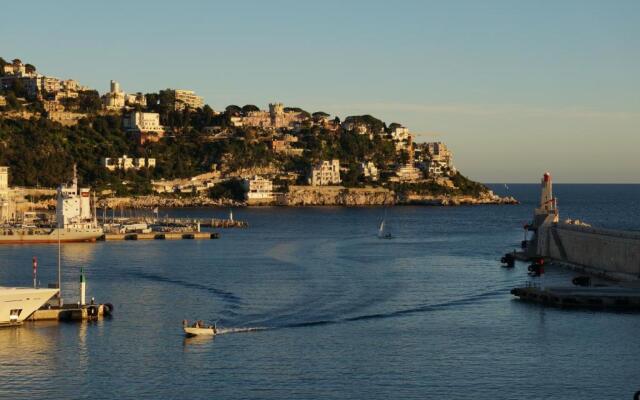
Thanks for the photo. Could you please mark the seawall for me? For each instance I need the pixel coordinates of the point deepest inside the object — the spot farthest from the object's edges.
(616, 253)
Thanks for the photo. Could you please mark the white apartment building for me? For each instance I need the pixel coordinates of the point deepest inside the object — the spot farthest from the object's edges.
(142, 122)
(126, 163)
(258, 190)
(185, 98)
(325, 173)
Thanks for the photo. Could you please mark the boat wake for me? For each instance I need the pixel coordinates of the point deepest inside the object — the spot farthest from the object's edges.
(225, 331)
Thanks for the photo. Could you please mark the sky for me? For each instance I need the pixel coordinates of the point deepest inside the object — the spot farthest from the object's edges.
(514, 88)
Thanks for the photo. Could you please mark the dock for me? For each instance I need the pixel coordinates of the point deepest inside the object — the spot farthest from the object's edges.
(599, 297)
(179, 221)
(72, 312)
(160, 236)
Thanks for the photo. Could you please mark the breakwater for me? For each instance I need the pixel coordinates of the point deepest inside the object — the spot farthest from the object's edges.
(606, 252)
(612, 252)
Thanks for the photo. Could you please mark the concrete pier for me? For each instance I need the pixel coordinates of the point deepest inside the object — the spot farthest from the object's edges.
(611, 297)
(161, 236)
(72, 312)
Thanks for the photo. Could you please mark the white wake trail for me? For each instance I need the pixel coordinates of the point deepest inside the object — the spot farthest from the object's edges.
(224, 331)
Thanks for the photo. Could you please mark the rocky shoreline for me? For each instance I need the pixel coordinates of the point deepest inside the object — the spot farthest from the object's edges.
(302, 196)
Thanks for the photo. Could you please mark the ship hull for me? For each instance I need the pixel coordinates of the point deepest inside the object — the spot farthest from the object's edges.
(52, 236)
(23, 302)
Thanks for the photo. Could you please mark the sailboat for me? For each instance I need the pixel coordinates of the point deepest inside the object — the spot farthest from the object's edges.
(381, 230)
(230, 215)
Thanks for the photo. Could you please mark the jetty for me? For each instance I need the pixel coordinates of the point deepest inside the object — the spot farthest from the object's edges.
(608, 253)
(160, 236)
(176, 221)
(72, 312)
(600, 297)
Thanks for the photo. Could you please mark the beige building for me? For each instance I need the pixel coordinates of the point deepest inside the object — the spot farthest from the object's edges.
(440, 159)
(325, 173)
(182, 99)
(258, 190)
(408, 173)
(145, 125)
(16, 68)
(369, 170)
(7, 205)
(285, 119)
(135, 99)
(115, 98)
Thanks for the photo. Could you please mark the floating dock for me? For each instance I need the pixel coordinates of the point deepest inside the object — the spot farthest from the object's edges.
(606, 297)
(161, 236)
(72, 312)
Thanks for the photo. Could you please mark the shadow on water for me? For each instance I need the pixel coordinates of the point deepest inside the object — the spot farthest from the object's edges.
(474, 299)
(221, 294)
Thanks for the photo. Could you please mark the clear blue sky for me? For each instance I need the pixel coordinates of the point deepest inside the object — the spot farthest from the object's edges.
(514, 87)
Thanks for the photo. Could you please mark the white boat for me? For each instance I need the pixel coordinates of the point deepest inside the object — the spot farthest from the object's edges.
(17, 304)
(198, 328)
(75, 220)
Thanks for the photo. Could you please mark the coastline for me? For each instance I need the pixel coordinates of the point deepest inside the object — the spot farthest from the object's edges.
(306, 196)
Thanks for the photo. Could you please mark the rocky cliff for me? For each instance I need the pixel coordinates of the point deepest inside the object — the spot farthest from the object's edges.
(337, 196)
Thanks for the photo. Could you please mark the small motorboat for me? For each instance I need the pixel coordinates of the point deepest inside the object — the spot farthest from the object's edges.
(198, 328)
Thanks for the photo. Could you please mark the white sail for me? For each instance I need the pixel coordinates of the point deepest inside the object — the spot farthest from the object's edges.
(381, 233)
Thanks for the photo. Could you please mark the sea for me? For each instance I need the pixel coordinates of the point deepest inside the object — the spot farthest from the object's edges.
(311, 304)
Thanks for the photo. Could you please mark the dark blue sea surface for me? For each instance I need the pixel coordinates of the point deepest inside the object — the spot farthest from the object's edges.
(330, 310)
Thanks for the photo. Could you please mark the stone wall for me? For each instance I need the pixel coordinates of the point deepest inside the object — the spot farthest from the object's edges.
(613, 252)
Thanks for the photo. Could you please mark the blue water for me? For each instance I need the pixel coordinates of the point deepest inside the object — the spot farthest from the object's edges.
(344, 315)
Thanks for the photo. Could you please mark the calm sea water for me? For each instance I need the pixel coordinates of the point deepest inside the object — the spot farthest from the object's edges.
(427, 315)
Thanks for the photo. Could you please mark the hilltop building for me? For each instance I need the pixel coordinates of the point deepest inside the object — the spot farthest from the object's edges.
(325, 173)
(440, 159)
(135, 99)
(408, 173)
(283, 146)
(126, 163)
(145, 125)
(277, 117)
(16, 67)
(258, 190)
(115, 98)
(179, 99)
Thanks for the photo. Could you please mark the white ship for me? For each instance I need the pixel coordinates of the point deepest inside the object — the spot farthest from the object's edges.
(75, 220)
(17, 304)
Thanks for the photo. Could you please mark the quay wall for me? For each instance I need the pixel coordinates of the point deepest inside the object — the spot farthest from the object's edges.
(609, 251)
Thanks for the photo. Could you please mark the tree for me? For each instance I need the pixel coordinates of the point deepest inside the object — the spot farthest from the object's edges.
(30, 68)
(249, 108)
(233, 110)
(89, 101)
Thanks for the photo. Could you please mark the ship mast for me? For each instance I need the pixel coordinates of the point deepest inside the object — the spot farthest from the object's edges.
(59, 269)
